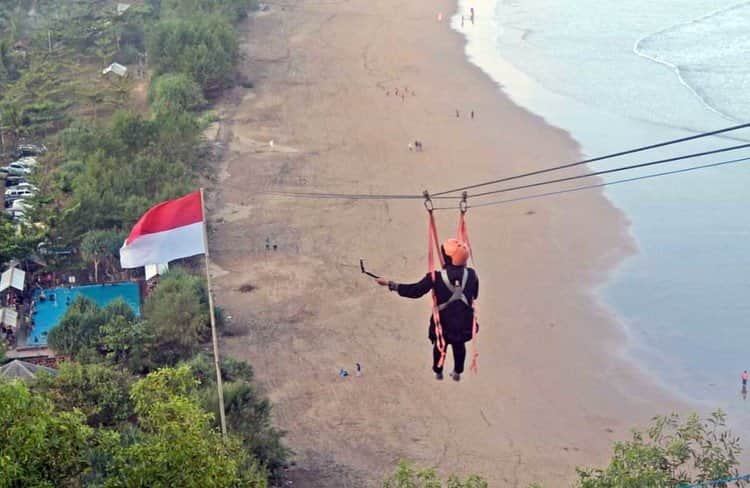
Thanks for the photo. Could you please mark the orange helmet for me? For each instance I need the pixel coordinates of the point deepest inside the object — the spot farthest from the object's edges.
(457, 251)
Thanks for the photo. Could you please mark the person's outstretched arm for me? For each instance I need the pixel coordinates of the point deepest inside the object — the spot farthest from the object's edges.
(413, 290)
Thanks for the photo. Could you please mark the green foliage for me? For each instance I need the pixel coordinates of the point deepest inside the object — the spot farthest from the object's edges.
(177, 445)
(124, 167)
(93, 334)
(233, 9)
(16, 242)
(671, 453)
(175, 92)
(204, 47)
(176, 315)
(100, 392)
(408, 475)
(78, 330)
(100, 245)
(248, 413)
(38, 446)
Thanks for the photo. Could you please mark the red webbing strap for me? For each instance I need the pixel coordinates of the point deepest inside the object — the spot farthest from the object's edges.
(463, 235)
(432, 245)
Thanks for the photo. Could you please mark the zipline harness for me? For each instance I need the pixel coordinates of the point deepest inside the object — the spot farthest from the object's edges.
(457, 290)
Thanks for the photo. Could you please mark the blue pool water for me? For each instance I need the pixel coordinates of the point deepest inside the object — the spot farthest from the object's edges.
(49, 312)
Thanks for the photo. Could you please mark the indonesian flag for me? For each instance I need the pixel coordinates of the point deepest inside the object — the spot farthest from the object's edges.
(168, 231)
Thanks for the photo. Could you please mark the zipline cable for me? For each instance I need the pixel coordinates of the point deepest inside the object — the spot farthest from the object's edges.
(592, 160)
(599, 185)
(353, 196)
(613, 170)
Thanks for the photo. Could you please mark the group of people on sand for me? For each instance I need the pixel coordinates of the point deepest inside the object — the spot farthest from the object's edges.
(357, 371)
(401, 92)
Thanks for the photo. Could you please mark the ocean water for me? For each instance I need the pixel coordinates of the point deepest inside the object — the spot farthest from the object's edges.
(618, 75)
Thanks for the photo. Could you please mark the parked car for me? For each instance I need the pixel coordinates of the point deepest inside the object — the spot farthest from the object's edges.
(16, 214)
(14, 180)
(27, 186)
(20, 204)
(23, 150)
(15, 193)
(28, 161)
(18, 169)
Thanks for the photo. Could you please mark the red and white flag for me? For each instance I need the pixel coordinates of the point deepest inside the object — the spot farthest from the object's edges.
(168, 231)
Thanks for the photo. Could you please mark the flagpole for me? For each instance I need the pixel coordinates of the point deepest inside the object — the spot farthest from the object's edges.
(219, 387)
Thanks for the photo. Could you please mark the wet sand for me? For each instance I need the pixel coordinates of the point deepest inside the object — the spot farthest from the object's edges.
(552, 392)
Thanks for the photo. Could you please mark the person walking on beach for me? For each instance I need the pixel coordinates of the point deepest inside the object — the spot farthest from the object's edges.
(472, 15)
(456, 287)
(457, 113)
(358, 369)
(472, 115)
(744, 376)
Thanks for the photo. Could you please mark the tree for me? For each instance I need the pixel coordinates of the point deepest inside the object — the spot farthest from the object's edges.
(175, 92)
(176, 314)
(78, 331)
(408, 475)
(233, 9)
(177, 445)
(100, 245)
(671, 453)
(204, 47)
(38, 446)
(100, 392)
(16, 242)
(248, 413)
(92, 334)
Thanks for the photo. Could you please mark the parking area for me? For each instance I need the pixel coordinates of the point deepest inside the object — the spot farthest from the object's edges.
(16, 176)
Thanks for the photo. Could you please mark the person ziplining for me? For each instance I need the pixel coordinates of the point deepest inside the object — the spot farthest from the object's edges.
(455, 289)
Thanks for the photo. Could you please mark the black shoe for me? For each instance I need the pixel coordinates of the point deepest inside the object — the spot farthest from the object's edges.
(455, 376)
(439, 376)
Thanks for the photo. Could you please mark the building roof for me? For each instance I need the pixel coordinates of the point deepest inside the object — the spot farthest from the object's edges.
(115, 68)
(156, 270)
(8, 317)
(12, 277)
(23, 370)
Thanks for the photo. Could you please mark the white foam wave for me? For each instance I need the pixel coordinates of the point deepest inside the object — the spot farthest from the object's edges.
(650, 42)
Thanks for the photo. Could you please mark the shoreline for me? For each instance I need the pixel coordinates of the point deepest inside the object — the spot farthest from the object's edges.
(583, 120)
(548, 396)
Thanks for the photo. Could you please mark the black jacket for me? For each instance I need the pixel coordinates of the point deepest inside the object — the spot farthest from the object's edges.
(457, 319)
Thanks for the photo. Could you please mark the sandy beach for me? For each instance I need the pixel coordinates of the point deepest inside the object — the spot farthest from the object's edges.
(553, 390)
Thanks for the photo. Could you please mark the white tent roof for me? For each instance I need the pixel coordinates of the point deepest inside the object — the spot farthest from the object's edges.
(122, 8)
(23, 370)
(13, 277)
(155, 269)
(9, 317)
(116, 68)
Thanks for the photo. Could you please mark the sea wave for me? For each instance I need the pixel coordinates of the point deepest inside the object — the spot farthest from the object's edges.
(708, 55)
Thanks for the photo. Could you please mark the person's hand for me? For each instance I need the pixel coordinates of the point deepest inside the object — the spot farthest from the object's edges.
(382, 281)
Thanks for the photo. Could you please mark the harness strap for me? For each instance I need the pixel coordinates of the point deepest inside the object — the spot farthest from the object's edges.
(432, 245)
(463, 234)
(456, 290)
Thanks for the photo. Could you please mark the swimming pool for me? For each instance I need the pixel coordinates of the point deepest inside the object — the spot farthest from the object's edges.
(49, 312)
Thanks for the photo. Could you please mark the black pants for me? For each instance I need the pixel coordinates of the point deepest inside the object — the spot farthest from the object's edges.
(459, 356)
